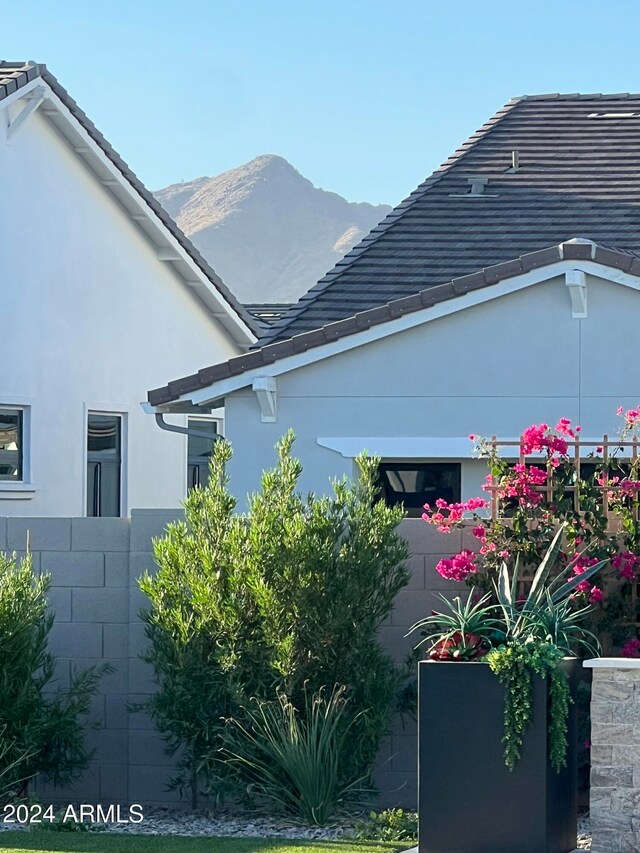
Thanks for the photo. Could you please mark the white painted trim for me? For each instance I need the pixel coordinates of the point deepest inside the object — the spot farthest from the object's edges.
(122, 410)
(24, 404)
(266, 389)
(219, 390)
(234, 324)
(576, 281)
(612, 663)
(33, 98)
(17, 491)
(401, 447)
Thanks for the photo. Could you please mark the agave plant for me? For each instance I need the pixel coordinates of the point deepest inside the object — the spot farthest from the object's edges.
(547, 613)
(466, 632)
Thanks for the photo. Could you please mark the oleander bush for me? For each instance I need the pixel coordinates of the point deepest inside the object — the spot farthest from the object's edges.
(283, 600)
(41, 730)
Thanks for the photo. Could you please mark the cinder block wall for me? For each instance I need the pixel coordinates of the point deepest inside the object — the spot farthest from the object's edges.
(94, 565)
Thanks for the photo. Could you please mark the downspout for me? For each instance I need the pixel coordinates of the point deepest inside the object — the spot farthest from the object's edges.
(184, 430)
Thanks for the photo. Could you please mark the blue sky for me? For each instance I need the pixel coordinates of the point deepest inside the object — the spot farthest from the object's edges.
(364, 97)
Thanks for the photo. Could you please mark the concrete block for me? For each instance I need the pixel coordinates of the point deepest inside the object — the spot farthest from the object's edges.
(410, 606)
(139, 719)
(147, 747)
(61, 673)
(434, 582)
(76, 640)
(141, 677)
(116, 569)
(113, 682)
(74, 569)
(394, 642)
(423, 538)
(601, 712)
(114, 784)
(100, 534)
(147, 524)
(59, 599)
(137, 601)
(608, 777)
(416, 568)
(3, 533)
(396, 790)
(96, 715)
(404, 725)
(45, 534)
(116, 711)
(84, 790)
(110, 746)
(148, 786)
(404, 754)
(100, 605)
(116, 641)
(137, 638)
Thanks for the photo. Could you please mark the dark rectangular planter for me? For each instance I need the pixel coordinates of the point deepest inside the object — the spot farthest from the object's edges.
(468, 801)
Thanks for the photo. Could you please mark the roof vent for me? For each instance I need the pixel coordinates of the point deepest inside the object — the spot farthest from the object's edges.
(478, 185)
(476, 191)
(515, 161)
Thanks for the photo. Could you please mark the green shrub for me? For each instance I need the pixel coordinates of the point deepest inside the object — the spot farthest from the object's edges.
(293, 761)
(41, 729)
(390, 825)
(286, 598)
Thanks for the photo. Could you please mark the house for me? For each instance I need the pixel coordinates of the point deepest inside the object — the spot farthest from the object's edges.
(101, 296)
(504, 291)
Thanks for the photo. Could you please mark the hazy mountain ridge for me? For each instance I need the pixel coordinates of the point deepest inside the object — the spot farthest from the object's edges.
(265, 229)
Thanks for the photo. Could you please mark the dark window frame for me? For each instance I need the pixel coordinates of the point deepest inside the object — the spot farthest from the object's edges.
(196, 476)
(7, 456)
(99, 462)
(414, 508)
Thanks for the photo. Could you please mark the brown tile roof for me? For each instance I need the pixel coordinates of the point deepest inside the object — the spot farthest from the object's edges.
(426, 298)
(578, 174)
(15, 75)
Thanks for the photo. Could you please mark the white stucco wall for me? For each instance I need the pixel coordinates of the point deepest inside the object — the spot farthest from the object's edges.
(90, 319)
(491, 369)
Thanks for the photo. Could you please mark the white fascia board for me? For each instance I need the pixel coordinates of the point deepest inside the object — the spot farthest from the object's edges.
(419, 447)
(219, 390)
(391, 447)
(241, 333)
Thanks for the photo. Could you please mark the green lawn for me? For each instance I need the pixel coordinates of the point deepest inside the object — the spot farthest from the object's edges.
(100, 842)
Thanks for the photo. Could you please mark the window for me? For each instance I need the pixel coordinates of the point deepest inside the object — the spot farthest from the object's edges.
(11, 444)
(104, 464)
(199, 450)
(416, 483)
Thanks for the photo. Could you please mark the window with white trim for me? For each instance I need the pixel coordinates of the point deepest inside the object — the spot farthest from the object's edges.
(104, 465)
(11, 444)
(415, 484)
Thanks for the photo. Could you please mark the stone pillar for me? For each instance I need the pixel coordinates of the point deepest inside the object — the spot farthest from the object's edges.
(615, 755)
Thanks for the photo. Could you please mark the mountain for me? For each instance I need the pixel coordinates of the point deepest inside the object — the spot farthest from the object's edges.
(265, 229)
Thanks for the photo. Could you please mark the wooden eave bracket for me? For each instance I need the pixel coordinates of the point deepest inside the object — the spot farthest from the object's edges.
(266, 391)
(576, 281)
(33, 100)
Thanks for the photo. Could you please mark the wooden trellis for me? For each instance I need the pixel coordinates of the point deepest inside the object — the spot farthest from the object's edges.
(576, 448)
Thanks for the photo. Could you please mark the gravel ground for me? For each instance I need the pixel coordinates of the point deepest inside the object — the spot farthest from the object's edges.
(166, 821)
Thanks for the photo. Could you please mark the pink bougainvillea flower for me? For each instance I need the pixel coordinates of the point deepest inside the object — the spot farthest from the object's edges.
(631, 648)
(472, 437)
(478, 532)
(458, 567)
(596, 595)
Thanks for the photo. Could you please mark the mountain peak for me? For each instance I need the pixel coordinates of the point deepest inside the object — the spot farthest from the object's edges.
(266, 229)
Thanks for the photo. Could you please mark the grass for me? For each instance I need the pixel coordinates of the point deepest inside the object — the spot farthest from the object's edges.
(100, 842)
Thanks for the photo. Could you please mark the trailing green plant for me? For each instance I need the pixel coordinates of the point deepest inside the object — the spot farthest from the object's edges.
(41, 727)
(287, 597)
(292, 760)
(389, 825)
(520, 637)
(515, 664)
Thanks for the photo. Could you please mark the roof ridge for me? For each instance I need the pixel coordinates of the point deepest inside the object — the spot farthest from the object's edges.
(577, 96)
(387, 222)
